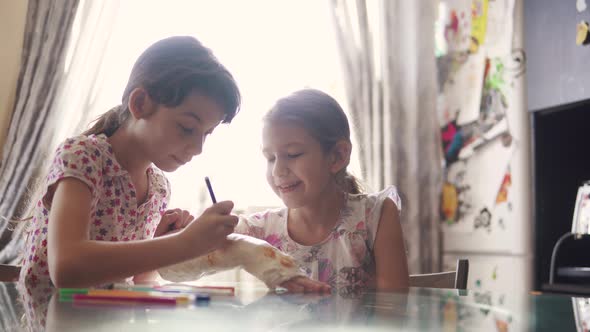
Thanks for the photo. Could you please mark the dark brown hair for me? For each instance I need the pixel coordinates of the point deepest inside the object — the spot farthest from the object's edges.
(323, 118)
(169, 70)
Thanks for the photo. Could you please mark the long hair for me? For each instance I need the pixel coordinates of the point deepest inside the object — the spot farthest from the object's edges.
(169, 70)
(323, 118)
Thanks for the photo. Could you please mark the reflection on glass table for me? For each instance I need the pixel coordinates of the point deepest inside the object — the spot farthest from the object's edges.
(256, 309)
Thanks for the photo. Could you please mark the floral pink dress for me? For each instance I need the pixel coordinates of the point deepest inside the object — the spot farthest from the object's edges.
(345, 258)
(115, 214)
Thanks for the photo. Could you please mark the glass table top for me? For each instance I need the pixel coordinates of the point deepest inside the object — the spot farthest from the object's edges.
(256, 309)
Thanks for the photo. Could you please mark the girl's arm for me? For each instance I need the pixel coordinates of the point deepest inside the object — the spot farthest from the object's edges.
(390, 253)
(76, 261)
(172, 221)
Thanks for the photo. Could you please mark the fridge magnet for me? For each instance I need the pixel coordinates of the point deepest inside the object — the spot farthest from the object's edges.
(483, 220)
(501, 325)
(495, 273)
(581, 5)
(450, 203)
(479, 22)
(478, 283)
(515, 65)
(503, 192)
(459, 198)
(452, 141)
(499, 28)
(582, 33)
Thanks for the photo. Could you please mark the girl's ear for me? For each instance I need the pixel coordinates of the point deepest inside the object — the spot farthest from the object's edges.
(140, 103)
(340, 155)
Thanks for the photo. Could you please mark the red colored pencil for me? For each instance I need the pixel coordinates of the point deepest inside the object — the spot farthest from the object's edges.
(135, 299)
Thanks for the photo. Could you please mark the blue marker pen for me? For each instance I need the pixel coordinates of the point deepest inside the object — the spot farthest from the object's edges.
(208, 182)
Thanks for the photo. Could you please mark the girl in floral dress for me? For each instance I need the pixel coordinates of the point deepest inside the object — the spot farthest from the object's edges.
(351, 240)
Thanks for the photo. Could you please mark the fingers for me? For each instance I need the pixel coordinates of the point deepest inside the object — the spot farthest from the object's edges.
(186, 219)
(176, 219)
(292, 286)
(169, 218)
(224, 207)
(230, 221)
(306, 285)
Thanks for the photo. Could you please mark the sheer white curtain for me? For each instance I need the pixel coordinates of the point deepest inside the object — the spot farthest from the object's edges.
(84, 76)
(387, 48)
(271, 47)
(48, 25)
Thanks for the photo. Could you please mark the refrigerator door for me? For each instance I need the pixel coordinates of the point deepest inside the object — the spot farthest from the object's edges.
(486, 199)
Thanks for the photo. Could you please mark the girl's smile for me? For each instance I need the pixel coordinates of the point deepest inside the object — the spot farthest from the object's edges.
(289, 187)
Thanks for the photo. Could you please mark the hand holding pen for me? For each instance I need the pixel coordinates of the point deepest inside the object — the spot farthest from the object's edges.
(209, 231)
(176, 219)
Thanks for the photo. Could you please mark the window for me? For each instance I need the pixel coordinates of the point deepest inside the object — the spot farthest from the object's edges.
(271, 47)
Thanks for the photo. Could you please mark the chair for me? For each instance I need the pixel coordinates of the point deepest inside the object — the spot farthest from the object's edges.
(9, 273)
(451, 279)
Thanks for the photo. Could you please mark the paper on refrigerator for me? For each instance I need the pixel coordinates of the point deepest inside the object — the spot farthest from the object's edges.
(500, 25)
(477, 181)
(464, 91)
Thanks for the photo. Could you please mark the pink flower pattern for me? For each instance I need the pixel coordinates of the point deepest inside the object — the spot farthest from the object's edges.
(115, 214)
(345, 258)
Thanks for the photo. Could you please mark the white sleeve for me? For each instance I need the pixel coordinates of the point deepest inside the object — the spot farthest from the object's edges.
(373, 207)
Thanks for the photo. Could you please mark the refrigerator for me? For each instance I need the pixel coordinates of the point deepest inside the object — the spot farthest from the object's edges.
(486, 198)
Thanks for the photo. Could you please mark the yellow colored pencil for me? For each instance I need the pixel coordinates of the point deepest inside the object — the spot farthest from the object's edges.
(180, 299)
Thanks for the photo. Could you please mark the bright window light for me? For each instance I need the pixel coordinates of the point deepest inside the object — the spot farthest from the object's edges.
(271, 47)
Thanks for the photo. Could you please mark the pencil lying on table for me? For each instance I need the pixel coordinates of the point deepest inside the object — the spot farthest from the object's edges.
(180, 298)
(146, 299)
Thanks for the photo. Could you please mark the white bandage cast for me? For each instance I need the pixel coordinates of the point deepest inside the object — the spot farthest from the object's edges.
(256, 256)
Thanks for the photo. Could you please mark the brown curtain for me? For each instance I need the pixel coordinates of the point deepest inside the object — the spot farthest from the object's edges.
(387, 49)
(47, 29)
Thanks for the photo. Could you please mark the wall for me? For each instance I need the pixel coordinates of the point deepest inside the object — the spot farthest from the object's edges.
(558, 71)
(12, 24)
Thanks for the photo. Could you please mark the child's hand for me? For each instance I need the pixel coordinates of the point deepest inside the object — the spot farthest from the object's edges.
(209, 231)
(173, 221)
(305, 285)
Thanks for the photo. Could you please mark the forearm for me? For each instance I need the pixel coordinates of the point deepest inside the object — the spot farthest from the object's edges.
(89, 263)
